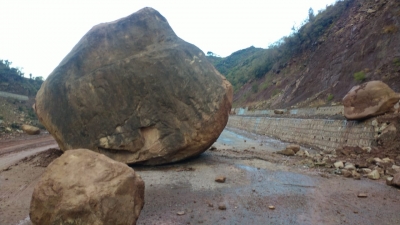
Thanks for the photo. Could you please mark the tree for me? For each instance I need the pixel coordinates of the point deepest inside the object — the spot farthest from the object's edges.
(311, 15)
(39, 78)
(209, 53)
(7, 63)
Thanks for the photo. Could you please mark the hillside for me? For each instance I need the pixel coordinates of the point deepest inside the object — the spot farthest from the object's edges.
(12, 80)
(348, 43)
(14, 110)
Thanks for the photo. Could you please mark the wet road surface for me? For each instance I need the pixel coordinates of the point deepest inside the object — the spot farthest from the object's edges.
(255, 180)
(253, 185)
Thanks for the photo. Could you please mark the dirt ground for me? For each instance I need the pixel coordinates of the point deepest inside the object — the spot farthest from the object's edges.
(186, 192)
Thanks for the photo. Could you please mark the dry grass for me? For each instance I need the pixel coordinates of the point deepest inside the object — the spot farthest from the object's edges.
(391, 29)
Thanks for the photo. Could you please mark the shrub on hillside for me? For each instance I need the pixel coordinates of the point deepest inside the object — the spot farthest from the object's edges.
(330, 97)
(396, 62)
(275, 92)
(390, 29)
(254, 88)
(359, 76)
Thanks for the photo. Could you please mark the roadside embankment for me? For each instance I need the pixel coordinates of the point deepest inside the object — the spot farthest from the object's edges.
(326, 134)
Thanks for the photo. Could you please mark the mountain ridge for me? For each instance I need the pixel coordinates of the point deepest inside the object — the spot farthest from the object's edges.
(360, 42)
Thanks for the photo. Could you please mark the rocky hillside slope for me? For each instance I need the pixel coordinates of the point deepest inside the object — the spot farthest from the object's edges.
(351, 42)
(16, 111)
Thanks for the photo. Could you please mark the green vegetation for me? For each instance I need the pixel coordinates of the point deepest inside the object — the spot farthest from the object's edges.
(396, 62)
(31, 114)
(359, 76)
(253, 63)
(330, 97)
(244, 65)
(15, 126)
(12, 80)
(275, 92)
(254, 88)
(265, 85)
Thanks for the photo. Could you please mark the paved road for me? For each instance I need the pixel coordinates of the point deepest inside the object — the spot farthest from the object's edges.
(300, 196)
(256, 180)
(13, 151)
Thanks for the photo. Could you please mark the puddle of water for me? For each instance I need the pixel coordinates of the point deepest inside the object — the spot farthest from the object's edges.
(248, 168)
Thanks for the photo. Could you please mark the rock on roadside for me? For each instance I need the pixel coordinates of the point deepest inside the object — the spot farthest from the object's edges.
(374, 175)
(294, 147)
(396, 180)
(84, 187)
(134, 91)
(286, 152)
(31, 130)
(220, 179)
(369, 99)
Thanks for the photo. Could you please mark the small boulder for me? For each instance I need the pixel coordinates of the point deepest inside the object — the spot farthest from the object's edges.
(356, 175)
(396, 180)
(395, 167)
(362, 195)
(390, 171)
(349, 166)
(369, 99)
(301, 153)
(180, 213)
(346, 173)
(287, 152)
(221, 206)
(279, 111)
(220, 179)
(374, 175)
(396, 107)
(366, 170)
(361, 164)
(31, 130)
(377, 160)
(339, 165)
(84, 187)
(294, 147)
(389, 181)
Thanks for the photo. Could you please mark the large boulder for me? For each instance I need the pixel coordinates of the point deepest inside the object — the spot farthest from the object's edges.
(134, 91)
(84, 187)
(369, 99)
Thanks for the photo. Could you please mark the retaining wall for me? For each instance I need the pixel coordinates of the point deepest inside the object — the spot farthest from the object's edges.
(328, 111)
(320, 133)
(16, 96)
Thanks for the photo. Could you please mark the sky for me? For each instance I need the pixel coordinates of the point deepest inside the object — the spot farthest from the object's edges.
(35, 35)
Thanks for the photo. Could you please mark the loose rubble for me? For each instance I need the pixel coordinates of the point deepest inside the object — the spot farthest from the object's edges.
(359, 162)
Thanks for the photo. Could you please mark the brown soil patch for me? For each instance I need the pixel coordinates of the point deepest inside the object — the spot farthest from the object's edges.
(17, 183)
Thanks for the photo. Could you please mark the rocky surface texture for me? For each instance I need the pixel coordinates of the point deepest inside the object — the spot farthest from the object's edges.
(134, 91)
(369, 99)
(84, 187)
